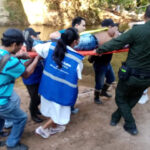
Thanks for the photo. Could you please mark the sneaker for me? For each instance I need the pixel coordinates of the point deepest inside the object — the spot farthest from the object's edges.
(104, 93)
(19, 146)
(59, 128)
(132, 131)
(4, 133)
(36, 119)
(8, 124)
(97, 101)
(74, 110)
(42, 132)
(113, 123)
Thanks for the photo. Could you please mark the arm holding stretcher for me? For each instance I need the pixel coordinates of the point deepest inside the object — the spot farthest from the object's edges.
(117, 44)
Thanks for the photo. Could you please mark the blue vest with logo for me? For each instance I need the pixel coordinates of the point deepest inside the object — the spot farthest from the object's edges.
(35, 77)
(60, 85)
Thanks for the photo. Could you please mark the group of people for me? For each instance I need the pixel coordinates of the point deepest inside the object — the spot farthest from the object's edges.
(55, 72)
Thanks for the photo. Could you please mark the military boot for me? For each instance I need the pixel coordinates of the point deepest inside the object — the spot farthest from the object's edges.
(104, 91)
(96, 97)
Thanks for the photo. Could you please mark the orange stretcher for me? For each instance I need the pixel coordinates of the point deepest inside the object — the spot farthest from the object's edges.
(84, 53)
(92, 52)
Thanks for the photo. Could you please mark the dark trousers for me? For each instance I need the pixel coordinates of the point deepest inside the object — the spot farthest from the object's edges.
(102, 72)
(128, 94)
(35, 99)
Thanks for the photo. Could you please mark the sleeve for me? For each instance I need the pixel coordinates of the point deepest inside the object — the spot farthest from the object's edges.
(79, 70)
(62, 31)
(14, 67)
(43, 49)
(23, 61)
(117, 43)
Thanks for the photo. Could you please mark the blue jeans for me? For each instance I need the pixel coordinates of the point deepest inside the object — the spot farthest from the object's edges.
(11, 111)
(9, 123)
(102, 72)
(87, 42)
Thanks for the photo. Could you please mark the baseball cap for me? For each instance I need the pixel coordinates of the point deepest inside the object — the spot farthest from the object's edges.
(108, 22)
(32, 32)
(13, 34)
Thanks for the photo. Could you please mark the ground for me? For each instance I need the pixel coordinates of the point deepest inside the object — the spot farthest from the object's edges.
(90, 129)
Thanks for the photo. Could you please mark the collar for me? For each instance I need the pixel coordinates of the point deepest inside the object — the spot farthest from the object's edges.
(70, 48)
(3, 51)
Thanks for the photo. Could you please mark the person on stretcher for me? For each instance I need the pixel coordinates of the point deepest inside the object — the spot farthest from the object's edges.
(90, 41)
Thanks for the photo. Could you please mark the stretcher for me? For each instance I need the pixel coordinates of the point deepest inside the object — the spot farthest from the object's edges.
(84, 53)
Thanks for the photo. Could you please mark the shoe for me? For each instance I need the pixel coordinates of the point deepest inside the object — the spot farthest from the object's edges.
(74, 110)
(132, 131)
(59, 128)
(4, 134)
(36, 119)
(113, 123)
(104, 93)
(45, 133)
(2, 143)
(18, 147)
(96, 97)
(97, 101)
(8, 124)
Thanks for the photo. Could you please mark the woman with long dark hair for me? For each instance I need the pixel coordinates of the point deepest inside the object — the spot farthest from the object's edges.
(58, 87)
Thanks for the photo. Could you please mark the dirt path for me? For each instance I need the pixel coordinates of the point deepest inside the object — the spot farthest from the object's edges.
(90, 129)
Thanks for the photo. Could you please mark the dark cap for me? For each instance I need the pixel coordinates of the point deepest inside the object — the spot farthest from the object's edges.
(13, 34)
(108, 22)
(32, 32)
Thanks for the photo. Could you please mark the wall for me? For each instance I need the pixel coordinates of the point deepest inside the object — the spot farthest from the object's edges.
(4, 14)
(60, 12)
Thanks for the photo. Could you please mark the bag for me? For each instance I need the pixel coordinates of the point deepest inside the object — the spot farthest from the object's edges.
(124, 72)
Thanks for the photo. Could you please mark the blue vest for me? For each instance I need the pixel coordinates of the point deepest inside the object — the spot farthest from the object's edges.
(60, 85)
(35, 77)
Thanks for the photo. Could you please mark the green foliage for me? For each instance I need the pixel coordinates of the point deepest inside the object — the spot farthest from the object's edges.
(141, 5)
(127, 4)
(52, 4)
(144, 2)
(123, 27)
